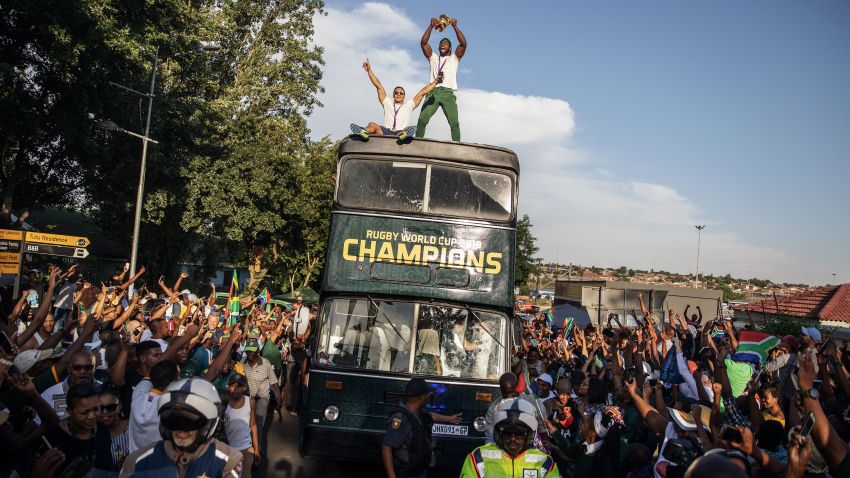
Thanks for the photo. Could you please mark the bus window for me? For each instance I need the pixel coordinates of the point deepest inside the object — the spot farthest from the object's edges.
(387, 185)
(413, 187)
(376, 335)
(451, 343)
(366, 334)
(469, 193)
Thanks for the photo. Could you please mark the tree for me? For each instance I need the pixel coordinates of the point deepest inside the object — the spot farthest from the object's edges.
(525, 265)
(262, 184)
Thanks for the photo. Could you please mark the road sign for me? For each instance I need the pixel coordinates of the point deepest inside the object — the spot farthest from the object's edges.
(10, 246)
(11, 235)
(58, 239)
(11, 257)
(7, 269)
(50, 249)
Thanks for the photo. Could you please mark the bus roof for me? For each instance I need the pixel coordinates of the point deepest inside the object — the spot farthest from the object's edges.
(470, 153)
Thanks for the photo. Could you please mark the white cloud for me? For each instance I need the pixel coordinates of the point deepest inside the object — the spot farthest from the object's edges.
(581, 211)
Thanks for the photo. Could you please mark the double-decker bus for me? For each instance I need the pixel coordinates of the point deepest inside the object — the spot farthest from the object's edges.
(418, 281)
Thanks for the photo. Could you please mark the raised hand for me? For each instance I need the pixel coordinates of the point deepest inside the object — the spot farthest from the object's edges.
(434, 22)
(806, 374)
(366, 65)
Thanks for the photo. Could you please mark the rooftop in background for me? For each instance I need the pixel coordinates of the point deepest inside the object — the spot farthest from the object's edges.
(829, 303)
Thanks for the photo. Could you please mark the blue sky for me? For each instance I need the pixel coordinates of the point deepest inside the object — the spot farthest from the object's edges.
(635, 121)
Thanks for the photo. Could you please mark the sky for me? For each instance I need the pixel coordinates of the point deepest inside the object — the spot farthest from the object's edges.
(636, 121)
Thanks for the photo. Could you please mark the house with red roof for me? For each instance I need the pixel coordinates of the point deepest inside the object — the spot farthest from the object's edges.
(827, 308)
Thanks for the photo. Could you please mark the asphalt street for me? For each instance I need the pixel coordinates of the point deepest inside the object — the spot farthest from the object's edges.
(283, 460)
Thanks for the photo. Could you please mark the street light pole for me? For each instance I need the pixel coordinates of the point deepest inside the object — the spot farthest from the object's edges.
(699, 238)
(137, 219)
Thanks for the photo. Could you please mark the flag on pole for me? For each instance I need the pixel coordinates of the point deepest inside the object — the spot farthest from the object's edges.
(753, 346)
(567, 327)
(233, 304)
(549, 318)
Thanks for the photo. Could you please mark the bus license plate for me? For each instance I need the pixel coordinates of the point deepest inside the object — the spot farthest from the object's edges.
(441, 429)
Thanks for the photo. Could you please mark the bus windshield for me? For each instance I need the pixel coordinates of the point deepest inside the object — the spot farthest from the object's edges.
(409, 337)
(416, 187)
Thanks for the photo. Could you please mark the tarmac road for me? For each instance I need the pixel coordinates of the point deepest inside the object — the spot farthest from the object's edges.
(283, 460)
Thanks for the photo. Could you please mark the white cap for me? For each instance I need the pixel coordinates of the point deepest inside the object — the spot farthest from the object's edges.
(546, 378)
(193, 298)
(28, 358)
(185, 292)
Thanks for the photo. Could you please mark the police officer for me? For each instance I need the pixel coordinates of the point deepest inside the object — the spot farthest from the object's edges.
(406, 452)
(511, 455)
(189, 411)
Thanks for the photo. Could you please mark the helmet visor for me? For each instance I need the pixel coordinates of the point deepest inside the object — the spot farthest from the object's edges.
(180, 419)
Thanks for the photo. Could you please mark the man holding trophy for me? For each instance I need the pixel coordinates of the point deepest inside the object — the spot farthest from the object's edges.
(444, 72)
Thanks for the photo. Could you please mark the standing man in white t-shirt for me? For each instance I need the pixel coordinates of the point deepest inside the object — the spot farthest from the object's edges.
(397, 111)
(443, 68)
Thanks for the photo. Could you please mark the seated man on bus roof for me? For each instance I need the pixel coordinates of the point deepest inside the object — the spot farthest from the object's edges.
(397, 111)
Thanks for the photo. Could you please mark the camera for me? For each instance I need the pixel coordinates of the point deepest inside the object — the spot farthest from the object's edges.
(439, 77)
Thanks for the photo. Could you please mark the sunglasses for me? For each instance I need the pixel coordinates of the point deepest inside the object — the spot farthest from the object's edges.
(111, 408)
(80, 368)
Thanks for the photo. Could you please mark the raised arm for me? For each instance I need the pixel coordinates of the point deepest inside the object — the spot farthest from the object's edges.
(223, 355)
(424, 91)
(135, 277)
(461, 40)
(382, 93)
(426, 37)
(833, 449)
(41, 312)
(653, 420)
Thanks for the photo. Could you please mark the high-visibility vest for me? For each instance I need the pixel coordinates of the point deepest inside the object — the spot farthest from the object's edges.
(491, 462)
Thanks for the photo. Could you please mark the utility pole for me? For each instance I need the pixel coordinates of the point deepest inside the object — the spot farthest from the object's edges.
(699, 238)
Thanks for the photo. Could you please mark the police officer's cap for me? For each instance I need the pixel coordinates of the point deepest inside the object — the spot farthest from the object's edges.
(416, 387)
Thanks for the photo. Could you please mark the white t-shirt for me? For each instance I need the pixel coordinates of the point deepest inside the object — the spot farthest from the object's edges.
(397, 117)
(446, 64)
(148, 335)
(55, 395)
(300, 320)
(238, 426)
(144, 419)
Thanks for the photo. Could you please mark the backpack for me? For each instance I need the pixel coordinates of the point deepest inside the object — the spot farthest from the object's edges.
(418, 446)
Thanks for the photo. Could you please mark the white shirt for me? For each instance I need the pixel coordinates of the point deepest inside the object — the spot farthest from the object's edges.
(300, 320)
(148, 335)
(238, 426)
(446, 64)
(144, 419)
(55, 396)
(397, 116)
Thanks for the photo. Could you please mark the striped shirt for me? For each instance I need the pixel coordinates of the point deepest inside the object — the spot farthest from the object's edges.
(260, 377)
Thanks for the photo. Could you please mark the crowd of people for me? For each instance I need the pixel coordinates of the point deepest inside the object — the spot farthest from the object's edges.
(667, 399)
(98, 381)
(127, 378)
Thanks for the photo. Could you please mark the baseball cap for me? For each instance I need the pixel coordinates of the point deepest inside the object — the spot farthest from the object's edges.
(812, 332)
(546, 378)
(416, 387)
(300, 298)
(28, 358)
(252, 347)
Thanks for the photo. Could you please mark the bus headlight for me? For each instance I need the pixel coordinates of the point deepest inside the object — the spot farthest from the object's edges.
(331, 413)
(479, 424)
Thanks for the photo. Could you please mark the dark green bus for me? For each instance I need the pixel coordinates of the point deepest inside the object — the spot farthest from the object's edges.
(418, 281)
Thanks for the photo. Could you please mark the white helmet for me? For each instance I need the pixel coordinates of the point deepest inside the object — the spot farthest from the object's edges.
(189, 404)
(515, 411)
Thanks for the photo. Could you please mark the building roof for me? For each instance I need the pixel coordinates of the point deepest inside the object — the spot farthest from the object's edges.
(827, 303)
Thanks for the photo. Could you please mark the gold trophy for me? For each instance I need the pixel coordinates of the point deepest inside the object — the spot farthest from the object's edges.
(442, 22)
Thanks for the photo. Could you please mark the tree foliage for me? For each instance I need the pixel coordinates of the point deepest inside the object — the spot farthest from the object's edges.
(234, 179)
(525, 250)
